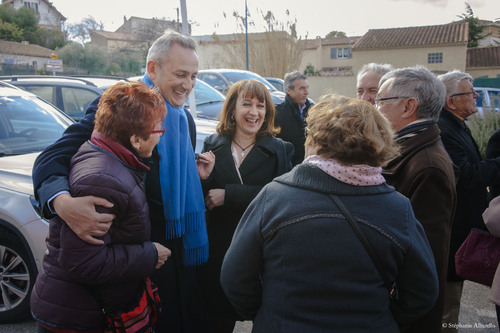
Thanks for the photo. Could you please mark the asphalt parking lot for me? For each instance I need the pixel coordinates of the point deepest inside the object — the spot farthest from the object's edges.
(477, 314)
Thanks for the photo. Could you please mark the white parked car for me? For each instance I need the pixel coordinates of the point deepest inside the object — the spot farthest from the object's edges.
(488, 99)
(28, 124)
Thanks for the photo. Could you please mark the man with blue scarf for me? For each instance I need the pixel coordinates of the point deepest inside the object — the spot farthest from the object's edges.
(173, 186)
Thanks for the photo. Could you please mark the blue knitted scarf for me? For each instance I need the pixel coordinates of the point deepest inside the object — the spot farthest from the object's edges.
(182, 196)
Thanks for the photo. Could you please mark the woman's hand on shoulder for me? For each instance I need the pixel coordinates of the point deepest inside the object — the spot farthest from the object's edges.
(205, 163)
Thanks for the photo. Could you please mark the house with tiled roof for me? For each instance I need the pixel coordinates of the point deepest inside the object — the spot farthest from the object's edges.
(439, 47)
(491, 31)
(484, 63)
(330, 56)
(24, 54)
(116, 41)
(135, 34)
(50, 17)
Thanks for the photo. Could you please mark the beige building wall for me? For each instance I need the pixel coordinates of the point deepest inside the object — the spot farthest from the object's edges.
(310, 57)
(491, 73)
(342, 85)
(321, 57)
(453, 58)
(212, 55)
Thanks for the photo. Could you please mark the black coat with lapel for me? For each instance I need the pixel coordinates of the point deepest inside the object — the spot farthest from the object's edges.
(292, 126)
(475, 174)
(270, 157)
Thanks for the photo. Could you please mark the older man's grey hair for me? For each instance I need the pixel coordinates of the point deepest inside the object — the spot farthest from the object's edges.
(421, 83)
(160, 49)
(380, 69)
(452, 79)
(291, 77)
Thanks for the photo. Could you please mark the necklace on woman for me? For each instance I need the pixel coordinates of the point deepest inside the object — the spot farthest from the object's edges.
(243, 149)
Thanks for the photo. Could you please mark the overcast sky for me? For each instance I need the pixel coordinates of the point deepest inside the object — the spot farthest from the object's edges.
(313, 17)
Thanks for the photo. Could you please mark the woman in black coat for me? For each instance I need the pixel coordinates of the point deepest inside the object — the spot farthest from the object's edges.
(247, 157)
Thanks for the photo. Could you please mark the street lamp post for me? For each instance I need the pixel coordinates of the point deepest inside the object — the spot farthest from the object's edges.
(246, 30)
(185, 32)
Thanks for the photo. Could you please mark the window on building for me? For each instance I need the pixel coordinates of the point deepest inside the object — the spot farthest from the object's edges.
(435, 58)
(340, 53)
(33, 5)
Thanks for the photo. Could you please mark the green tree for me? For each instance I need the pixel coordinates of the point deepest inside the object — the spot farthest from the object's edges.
(23, 21)
(475, 27)
(72, 54)
(22, 25)
(10, 32)
(52, 39)
(335, 33)
(310, 71)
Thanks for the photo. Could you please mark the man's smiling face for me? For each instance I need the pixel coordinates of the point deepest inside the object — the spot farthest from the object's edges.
(175, 77)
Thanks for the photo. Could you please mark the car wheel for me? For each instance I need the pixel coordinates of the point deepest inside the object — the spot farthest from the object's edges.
(16, 279)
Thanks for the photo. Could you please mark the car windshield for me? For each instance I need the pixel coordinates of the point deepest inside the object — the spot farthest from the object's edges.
(204, 94)
(238, 76)
(28, 124)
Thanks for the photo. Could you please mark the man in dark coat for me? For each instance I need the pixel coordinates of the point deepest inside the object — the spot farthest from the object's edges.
(291, 114)
(172, 66)
(475, 174)
(411, 98)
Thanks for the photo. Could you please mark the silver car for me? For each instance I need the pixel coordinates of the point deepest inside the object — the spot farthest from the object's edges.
(27, 125)
(222, 79)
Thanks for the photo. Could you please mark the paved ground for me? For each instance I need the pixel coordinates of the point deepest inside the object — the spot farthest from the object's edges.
(477, 314)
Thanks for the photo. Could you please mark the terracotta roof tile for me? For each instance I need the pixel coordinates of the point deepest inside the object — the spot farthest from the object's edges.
(114, 35)
(438, 35)
(339, 41)
(311, 44)
(24, 49)
(488, 56)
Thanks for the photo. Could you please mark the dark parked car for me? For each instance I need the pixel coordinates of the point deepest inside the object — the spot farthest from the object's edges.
(279, 84)
(28, 124)
(70, 94)
(222, 79)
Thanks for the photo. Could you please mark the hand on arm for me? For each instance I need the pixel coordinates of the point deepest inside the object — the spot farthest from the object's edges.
(205, 163)
(215, 198)
(81, 216)
(163, 254)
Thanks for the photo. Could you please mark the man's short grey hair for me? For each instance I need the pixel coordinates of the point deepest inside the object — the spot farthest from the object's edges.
(291, 77)
(160, 49)
(452, 79)
(421, 83)
(380, 69)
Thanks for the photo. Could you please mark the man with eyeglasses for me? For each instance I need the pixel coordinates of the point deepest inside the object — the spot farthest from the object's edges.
(475, 174)
(412, 98)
